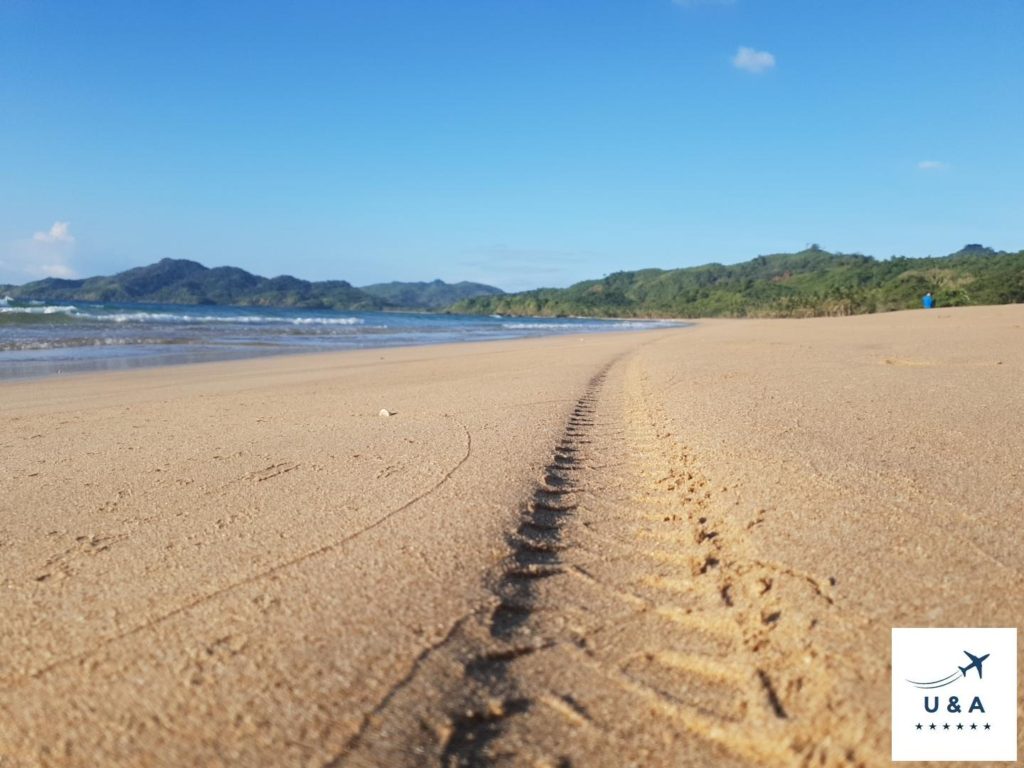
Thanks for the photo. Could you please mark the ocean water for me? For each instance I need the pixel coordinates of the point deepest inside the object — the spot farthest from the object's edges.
(39, 339)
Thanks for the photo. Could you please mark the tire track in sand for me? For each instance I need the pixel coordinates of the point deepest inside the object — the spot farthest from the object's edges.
(455, 701)
(632, 623)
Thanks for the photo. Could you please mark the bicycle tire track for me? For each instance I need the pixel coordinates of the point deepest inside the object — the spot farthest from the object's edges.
(633, 622)
(454, 705)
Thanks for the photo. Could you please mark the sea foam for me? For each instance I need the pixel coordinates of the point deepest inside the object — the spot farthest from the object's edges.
(167, 317)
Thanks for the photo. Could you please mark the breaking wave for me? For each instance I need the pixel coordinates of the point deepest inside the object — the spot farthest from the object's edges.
(74, 312)
(7, 309)
(166, 317)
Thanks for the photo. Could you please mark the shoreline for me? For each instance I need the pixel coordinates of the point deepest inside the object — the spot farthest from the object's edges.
(688, 544)
(156, 336)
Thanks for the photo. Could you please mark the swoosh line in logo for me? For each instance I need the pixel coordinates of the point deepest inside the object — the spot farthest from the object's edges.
(941, 683)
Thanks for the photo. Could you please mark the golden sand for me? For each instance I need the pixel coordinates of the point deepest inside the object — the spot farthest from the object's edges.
(675, 547)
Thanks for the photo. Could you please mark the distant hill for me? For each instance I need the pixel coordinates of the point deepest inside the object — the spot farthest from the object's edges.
(809, 283)
(179, 281)
(436, 294)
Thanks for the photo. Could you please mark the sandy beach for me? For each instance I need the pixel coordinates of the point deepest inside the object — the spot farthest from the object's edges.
(673, 547)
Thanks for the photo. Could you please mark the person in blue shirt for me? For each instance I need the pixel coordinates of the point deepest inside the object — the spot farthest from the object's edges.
(928, 301)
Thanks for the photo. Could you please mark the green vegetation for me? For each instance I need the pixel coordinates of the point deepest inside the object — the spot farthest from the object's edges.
(436, 294)
(810, 283)
(178, 281)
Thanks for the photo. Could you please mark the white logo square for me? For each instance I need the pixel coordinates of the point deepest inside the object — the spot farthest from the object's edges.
(954, 694)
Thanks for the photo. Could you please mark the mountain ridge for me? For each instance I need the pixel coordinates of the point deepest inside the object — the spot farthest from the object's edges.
(811, 282)
(435, 294)
(182, 281)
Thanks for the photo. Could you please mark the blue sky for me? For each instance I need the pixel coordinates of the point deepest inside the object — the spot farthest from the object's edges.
(516, 142)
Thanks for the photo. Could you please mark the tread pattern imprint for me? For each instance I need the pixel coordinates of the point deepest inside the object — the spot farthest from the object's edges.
(631, 624)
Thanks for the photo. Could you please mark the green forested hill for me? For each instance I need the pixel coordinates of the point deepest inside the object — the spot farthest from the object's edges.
(436, 294)
(812, 282)
(809, 283)
(178, 281)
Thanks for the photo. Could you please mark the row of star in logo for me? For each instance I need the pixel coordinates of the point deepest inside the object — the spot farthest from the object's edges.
(946, 726)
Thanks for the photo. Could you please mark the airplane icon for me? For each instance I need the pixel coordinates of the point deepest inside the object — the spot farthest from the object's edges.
(975, 663)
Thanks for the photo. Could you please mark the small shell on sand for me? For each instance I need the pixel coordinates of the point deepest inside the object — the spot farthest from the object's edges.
(385, 413)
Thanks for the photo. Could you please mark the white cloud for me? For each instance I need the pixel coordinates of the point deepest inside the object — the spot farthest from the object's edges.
(753, 61)
(25, 264)
(58, 233)
(932, 165)
(45, 254)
